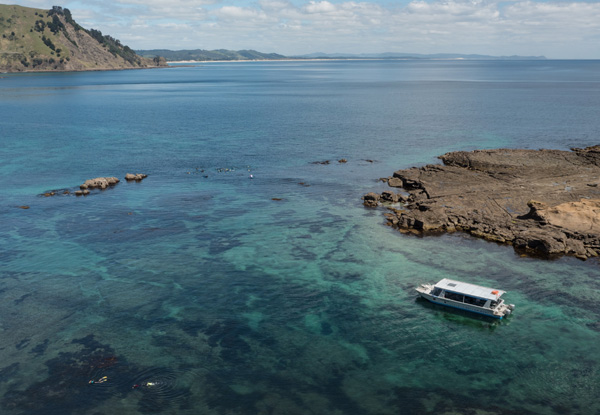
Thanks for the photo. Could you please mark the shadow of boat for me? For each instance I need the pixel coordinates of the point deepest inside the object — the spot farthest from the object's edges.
(463, 317)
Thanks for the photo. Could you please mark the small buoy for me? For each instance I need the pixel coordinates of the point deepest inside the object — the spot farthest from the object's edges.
(251, 176)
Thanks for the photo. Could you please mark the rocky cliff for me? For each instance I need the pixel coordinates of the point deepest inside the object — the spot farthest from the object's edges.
(50, 40)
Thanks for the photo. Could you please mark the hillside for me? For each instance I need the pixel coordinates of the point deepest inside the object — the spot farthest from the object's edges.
(210, 55)
(50, 40)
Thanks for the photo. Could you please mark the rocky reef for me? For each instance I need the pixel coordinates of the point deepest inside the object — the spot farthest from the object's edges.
(543, 202)
(98, 183)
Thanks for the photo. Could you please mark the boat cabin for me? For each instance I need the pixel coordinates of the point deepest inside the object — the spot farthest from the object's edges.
(467, 293)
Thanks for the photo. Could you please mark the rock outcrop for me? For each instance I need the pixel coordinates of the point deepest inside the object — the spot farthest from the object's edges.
(97, 183)
(544, 202)
(138, 177)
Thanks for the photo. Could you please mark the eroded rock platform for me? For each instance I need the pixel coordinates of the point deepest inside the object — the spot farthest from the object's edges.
(543, 202)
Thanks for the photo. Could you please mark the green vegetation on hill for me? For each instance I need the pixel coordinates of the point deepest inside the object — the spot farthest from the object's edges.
(209, 55)
(45, 40)
(115, 47)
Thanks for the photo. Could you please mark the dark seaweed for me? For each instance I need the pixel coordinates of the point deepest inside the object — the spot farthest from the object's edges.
(40, 349)
(66, 390)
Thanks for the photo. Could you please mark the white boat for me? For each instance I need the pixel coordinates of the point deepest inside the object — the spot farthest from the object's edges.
(465, 296)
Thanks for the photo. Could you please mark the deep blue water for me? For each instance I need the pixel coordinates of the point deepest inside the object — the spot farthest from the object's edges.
(203, 290)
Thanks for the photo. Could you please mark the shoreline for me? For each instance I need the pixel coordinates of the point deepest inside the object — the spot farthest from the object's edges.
(358, 59)
(283, 60)
(169, 64)
(83, 70)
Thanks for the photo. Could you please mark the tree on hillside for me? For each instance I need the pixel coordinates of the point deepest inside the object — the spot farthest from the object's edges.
(56, 10)
(56, 25)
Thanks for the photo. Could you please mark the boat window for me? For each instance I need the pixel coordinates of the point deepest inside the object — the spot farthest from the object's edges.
(436, 291)
(454, 296)
(475, 301)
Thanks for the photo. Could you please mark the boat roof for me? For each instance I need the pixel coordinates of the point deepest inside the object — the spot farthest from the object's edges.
(469, 289)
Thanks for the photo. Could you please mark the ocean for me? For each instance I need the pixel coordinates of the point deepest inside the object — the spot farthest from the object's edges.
(244, 275)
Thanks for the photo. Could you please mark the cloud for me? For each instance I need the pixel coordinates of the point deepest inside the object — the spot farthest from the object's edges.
(319, 7)
(558, 29)
(160, 5)
(454, 10)
(240, 14)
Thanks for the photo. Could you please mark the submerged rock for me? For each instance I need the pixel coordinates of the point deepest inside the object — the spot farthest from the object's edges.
(538, 201)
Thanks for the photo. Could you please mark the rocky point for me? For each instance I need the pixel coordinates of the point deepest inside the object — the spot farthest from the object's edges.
(543, 202)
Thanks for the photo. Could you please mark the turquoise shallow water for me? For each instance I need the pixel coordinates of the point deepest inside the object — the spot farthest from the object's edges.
(202, 290)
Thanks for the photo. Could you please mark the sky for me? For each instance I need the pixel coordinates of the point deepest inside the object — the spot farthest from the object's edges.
(555, 29)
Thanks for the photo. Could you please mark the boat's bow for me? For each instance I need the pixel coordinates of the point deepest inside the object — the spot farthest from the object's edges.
(424, 288)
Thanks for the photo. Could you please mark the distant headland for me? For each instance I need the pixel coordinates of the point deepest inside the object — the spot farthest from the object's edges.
(435, 56)
(34, 40)
(201, 55)
(543, 202)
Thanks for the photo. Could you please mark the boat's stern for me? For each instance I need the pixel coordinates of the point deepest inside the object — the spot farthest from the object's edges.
(509, 309)
(504, 310)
